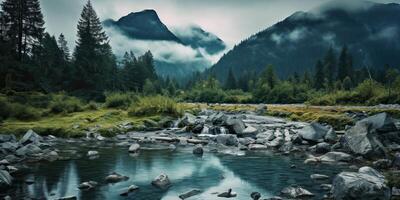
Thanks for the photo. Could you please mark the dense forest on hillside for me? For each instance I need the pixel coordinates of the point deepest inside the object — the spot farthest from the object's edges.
(35, 64)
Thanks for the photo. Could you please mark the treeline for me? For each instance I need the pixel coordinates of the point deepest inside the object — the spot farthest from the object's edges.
(334, 80)
(33, 60)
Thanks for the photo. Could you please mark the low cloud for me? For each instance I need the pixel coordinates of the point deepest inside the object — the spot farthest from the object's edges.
(292, 36)
(387, 33)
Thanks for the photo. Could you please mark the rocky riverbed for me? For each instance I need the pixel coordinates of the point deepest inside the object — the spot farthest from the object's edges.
(365, 153)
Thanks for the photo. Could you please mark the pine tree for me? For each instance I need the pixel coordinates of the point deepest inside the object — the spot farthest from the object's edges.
(347, 84)
(62, 44)
(22, 24)
(270, 76)
(319, 76)
(330, 67)
(230, 83)
(95, 67)
(343, 64)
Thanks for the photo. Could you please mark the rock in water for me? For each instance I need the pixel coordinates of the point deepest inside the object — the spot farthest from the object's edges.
(5, 179)
(190, 194)
(30, 137)
(128, 190)
(331, 136)
(161, 181)
(115, 177)
(7, 138)
(322, 147)
(87, 185)
(335, 157)
(228, 194)
(198, 150)
(92, 153)
(187, 120)
(367, 184)
(319, 177)
(296, 192)
(235, 126)
(134, 148)
(370, 136)
(255, 195)
(28, 150)
(314, 132)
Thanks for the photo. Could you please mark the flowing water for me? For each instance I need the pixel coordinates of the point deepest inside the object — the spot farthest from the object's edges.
(263, 172)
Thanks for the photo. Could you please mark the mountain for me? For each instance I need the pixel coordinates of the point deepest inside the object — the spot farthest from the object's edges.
(370, 30)
(145, 25)
(196, 37)
(177, 54)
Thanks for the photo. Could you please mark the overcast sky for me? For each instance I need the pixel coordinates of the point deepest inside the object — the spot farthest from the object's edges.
(231, 20)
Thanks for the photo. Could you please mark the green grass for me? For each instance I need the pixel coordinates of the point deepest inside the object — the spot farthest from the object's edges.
(155, 105)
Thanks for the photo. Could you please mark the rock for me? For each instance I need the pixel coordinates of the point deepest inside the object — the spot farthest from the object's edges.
(312, 160)
(396, 160)
(115, 177)
(296, 192)
(367, 184)
(326, 187)
(261, 109)
(255, 195)
(286, 147)
(219, 119)
(128, 190)
(30, 137)
(30, 181)
(257, 147)
(198, 150)
(322, 147)
(276, 143)
(331, 136)
(187, 120)
(227, 139)
(28, 150)
(314, 132)
(246, 141)
(198, 128)
(7, 138)
(92, 153)
(235, 126)
(161, 181)
(319, 177)
(382, 164)
(190, 194)
(228, 194)
(9, 147)
(134, 148)
(249, 131)
(5, 179)
(268, 135)
(68, 198)
(87, 185)
(395, 193)
(335, 157)
(370, 136)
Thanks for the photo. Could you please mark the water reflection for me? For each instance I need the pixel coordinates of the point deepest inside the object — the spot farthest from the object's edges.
(212, 173)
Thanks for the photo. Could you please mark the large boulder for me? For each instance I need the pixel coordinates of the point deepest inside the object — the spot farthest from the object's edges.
(227, 139)
(334, 156)
(134, 148)
(331, 136)
(161, 181)
(198, 150)
(296, 192)
(370, 136)
(187, 120)
(314, 132)
(322, 147)
(9, 147)
(30, 137)
(218, 119)
(367, 184)
(28, 150)
(235, 126)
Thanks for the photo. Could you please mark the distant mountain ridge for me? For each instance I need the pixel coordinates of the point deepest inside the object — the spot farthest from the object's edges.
(370, 30)
(147, 26)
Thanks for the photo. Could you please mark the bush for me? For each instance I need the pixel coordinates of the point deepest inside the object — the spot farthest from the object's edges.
(24, 112)
(154, 105)
(65, 104)
(119, 100)
(4, 108)
(91, 106)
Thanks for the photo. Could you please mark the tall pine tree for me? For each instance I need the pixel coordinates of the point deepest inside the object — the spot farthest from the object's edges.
(230, 83)
(63, 45)
(319, 76)
(330, 68)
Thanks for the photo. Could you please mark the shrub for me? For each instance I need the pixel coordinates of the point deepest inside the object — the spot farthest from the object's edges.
(91, 106)
(154, 105)
(24, 112)
(65, 104)
(119, 100)
(4, 108)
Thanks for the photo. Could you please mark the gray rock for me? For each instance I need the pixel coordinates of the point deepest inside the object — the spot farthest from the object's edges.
(249, 131)
(92, 153)
(68, 198)
(7, 138)
(198, 150)
(228, 194)
(336, 157)
(331, 136)
(115, 177)
(187, 120)
(128, 190)
(134, 148)
(367, 184)
(190, 193)
(28, 150)
(227, 139)
(30, 137)
(5, 179)
(322, 147)
(268, 135)
(161, 181)
(319, 177)
(87, 185)
(396, 160)
(326, 187)
(286, 147)
(198, 128)
(235, 126)
(246, 141)
(382, 164)
(296, 192)
(257, 147)
(314, 132)
(218, 119)
(276, 143)
(370, 136)
(9, 147)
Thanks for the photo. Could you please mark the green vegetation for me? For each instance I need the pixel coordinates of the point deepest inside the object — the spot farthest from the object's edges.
(155, 105)
(119, 100)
